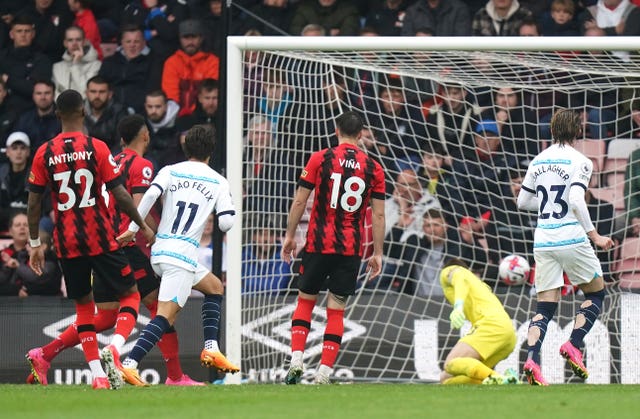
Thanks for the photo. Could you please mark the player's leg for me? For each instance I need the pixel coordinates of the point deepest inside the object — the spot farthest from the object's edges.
(581, 272)
(465, 360)
(213, 290)
(548, 281)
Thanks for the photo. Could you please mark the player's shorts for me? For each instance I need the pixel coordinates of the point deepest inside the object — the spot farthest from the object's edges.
(146, 279)
(176, 282)
(494, 340)
(579, 263)
(337, 273)
(113, 266)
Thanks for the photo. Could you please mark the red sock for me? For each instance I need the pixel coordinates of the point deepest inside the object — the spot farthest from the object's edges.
(87, 330)
(105, 319)
(332, 336)
(301, 324)
(169, 348)
(128, 314)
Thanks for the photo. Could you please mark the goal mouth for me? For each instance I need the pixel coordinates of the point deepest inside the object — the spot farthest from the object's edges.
(431, 108)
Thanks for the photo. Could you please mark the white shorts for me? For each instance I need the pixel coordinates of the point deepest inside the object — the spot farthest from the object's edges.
(176, 282)
(579, 263)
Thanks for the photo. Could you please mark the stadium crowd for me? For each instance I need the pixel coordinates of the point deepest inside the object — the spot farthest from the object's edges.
(449, 152)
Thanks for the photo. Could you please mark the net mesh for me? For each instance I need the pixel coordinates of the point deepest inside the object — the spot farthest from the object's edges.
(454, 131)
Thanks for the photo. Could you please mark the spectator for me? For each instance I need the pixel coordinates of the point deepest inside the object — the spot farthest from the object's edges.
(443, 17)
(40, 123)
(206, 111)
(51, 18)
(609, 15)
(313, 29)
(102, 112)
(499, 18)
(161, 115)
(19, 232)
(85, 19)
(50, 281)
(184, 71)
(632, 23)
(387, 17)
(338, 17)
(13, 178)
(21, 64)
(632, 194)
(79, 63)
(133, 70)
(263, 270)
(560, 21)
(8, 112)
(529, 27)
(378, 149)
(274, 17)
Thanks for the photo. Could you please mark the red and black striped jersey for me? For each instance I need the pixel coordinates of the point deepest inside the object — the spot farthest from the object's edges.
(77, 168)
(137, 173)
(344, 178)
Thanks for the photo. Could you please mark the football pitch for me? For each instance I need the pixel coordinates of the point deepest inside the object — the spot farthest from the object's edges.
(332, 401)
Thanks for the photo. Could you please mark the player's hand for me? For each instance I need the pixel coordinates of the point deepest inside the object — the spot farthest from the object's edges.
(374, 266)
(149, 235)
(126, 237)
(604, 243)
(36, 259)
(457, 317)
(289, 247)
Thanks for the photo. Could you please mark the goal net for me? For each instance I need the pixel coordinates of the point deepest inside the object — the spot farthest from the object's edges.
(454, 123)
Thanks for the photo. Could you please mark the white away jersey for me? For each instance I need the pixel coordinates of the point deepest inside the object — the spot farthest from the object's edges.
(190, 192)
(550, 176)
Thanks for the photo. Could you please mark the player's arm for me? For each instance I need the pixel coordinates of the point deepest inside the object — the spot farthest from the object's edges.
(527, 199)
(146, 203)
(456, 278)
(579, 208)
(378, 226)
(125, 203)
(151, 222)
(298, 206)
(37, 183)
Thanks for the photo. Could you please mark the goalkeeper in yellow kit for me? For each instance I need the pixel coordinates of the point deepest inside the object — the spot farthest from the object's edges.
(492, 336)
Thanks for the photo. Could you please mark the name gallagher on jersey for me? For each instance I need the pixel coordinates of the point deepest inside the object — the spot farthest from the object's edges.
(552, 168)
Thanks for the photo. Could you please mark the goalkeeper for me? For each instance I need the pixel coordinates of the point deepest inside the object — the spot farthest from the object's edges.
(491, 338)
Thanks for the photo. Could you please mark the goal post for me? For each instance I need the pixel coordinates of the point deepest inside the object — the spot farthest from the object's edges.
(399, 333)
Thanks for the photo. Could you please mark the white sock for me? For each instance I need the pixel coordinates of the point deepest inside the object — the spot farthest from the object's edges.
(211, 345)
(325, 370)
(296, 357)
(118, 342)
(130, 363)
(96, 369)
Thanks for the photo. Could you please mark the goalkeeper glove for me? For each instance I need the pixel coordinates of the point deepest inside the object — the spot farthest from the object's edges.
(457, 317)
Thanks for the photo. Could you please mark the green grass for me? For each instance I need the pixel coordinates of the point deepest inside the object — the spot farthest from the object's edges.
(334, 401)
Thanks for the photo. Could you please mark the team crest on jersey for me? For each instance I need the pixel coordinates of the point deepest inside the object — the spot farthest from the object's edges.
(146, 172)
(585, 167)
(304, 173)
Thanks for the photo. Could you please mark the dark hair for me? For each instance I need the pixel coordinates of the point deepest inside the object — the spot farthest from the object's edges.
(208, 85)
(199, 142)
(452, 261)
(129, 27)
(14, 215)
(433, 147)
(75, 28)
(157, 93)
(530, 21)
(68, 103)
(566, 125)
(48, 82)
(433, 213)
(22, 19)
(98, 80)
(349, 124)
(129, 127)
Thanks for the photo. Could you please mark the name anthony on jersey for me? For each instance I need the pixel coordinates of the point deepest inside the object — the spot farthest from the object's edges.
(67, 157)
(551, 168)
(198, 186)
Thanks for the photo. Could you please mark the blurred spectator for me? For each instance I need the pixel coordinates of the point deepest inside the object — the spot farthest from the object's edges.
(206, 110)
(499, 18)
(102, 112)
(21, 63)
(40, 123)
(560, 19)
(133, 70)
(8, 112)
(8, 10)
(85, 19)
(387, 17)
(632, 23)
(13, 178)
(632, 194)
(51, 18)
(313, 29)
(379, 149)
(79, 63)
(212, 21)
(186, 68)
(603, 215)
(16, 276)
(161, 115)
(271, 17)
(529, 27)
(631, 127)
(338, 17)
(609, 15)
(450, 123)
(443, 17)
(108, 15)
(263, 270)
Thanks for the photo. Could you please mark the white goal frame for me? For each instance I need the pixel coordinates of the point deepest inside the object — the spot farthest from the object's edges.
(236, 45)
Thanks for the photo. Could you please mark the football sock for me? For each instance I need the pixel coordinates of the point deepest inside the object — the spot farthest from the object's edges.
(128, 314)
(590, 309)
(87, 330)
(96, 368)
(211, 316)
(546, 310)
(169, 348)
(149, 337)
(469, 367)
(461, 379)
(104, 320)
(332, 337)
(301, 324)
